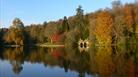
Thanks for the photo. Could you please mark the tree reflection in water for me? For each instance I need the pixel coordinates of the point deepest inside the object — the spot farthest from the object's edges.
(15, 57)
(17, 67)
(105, 65)
(98, 62)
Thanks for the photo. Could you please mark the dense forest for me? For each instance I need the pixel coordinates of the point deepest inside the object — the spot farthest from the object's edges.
(110, 26)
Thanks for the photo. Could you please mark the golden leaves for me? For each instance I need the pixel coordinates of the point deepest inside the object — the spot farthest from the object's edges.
(129, 17)
(104, 22)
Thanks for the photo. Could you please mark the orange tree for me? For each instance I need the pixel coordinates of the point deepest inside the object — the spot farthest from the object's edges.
(129, 17)
(103, 29)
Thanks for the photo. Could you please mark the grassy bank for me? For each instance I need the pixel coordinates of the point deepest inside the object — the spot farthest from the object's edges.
(49, 45)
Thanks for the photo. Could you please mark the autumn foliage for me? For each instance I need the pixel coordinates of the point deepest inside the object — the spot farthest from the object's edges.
(104, 22)
(56, 38)
(129, 18)
(14, 36)
(103, 27)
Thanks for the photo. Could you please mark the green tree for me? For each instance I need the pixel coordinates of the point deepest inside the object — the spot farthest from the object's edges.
(82, 23)
(65, 24)
(17, 23)
(79, 18)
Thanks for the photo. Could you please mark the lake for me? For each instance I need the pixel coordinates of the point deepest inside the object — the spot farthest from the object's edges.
(64, 62)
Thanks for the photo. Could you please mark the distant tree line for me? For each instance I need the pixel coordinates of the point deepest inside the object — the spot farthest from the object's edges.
(103, 27)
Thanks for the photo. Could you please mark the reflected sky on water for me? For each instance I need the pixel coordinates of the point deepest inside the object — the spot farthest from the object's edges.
(61, 62)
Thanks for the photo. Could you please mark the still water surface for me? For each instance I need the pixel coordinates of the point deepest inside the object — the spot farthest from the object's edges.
(61, 62)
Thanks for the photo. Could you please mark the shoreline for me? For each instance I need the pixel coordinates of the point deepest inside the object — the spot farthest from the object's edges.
(37, 45)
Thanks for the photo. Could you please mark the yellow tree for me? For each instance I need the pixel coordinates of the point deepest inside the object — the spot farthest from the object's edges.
(15, 34)
(103, 29)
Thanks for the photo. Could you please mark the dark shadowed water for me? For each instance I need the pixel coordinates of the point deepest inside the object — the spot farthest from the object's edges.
(60, 62)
